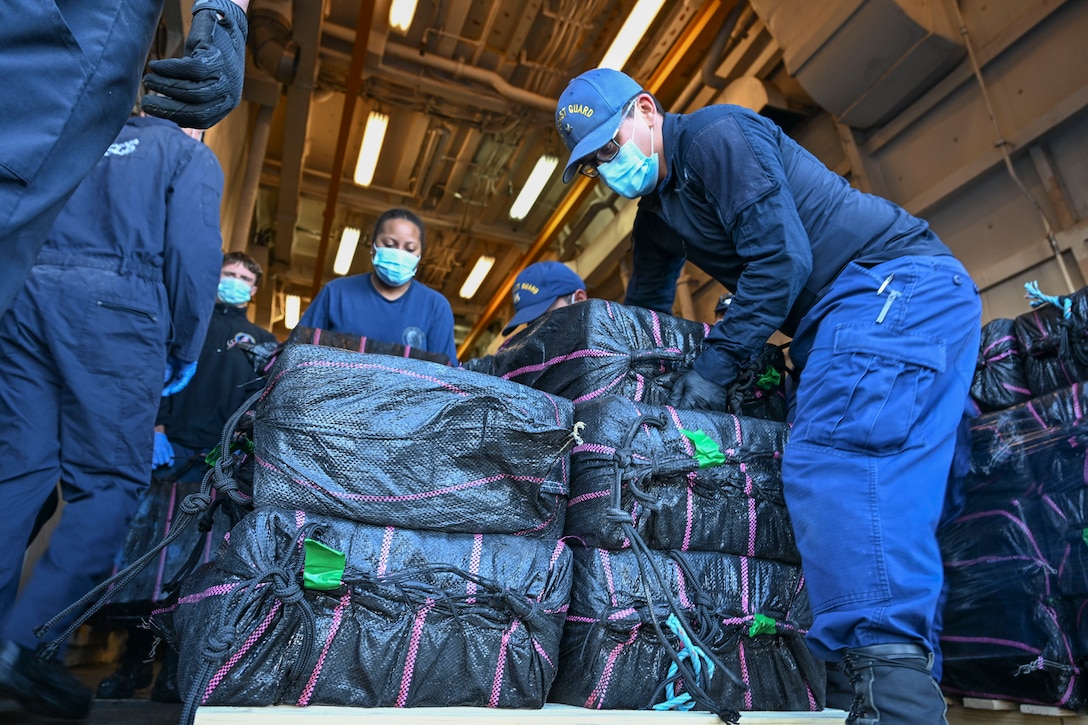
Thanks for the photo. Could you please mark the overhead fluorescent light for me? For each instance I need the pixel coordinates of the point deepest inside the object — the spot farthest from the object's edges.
(400, 14)
(349, 240)
(291, 308)
(373, 135)
(476, 276)
(538, 179)
(630, 34)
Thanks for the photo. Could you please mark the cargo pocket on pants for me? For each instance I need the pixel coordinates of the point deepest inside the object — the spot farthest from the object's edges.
(874, 391)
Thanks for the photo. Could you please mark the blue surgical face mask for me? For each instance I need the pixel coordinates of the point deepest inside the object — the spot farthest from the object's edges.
(632, 173)
(233, 291)
(394, 266)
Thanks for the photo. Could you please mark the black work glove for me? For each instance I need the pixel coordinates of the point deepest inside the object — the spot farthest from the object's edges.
(692, 391)
(201, 88)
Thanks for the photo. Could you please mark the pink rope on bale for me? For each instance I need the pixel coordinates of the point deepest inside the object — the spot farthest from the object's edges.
(337, 616)
(413, 651)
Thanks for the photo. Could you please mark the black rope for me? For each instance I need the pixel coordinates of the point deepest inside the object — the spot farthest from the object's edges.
(191, 508)
(645, 561)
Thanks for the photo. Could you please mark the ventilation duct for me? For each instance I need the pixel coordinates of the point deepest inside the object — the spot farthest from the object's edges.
(863, 60)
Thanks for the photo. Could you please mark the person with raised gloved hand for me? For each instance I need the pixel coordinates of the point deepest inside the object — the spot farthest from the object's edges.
(885, 328)
(200, 88)
(71, 73)
(125, 280)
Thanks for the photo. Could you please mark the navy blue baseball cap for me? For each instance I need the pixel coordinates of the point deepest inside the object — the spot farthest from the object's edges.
(590, 112)
(537, 287)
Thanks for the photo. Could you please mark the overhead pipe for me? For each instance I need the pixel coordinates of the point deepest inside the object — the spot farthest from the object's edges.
(720, 48)
(581, 188)
(458, 69)
(270, 39)
(243, 217)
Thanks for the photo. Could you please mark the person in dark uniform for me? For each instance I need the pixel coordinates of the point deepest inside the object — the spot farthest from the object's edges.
(388, 304)
(188, 427)
(117, 302)
(70, 73)
(885, 328)
(542, 287)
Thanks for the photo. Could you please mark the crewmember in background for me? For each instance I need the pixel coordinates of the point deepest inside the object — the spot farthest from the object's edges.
(121, 292)
(188, 427)
(388, 304)
(542, 287)
(885, 328)
(71, 72)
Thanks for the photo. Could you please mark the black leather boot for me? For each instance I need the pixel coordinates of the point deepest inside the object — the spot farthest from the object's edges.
(166, 684)
(43, 688)
(126, 679)
(893, 685)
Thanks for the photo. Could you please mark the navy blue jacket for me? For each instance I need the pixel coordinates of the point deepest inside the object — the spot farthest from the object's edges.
(757, 212)
(421, 318)
(177, 243)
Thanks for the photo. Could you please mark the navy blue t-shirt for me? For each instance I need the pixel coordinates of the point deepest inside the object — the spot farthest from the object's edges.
(421, 318)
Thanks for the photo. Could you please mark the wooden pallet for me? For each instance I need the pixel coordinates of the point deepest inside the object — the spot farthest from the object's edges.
(550, 715)
(969, 711)
(976, 711)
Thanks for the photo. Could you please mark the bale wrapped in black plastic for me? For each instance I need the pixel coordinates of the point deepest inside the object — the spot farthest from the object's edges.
(1065, 541)
(684, 479)
(1009, 631)
(401, 442)
(1054, 340)
(263, 355)
(999, 380)
(598, 347)
(751, 615)
(312, 610)
(1034, 448)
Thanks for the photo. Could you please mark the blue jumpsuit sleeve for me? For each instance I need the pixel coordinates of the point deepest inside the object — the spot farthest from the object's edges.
(193, 249)
(771, 241)
(654, 271)
(317, 313)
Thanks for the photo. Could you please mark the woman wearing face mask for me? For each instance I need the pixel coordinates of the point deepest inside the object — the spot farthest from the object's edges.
(387, 304)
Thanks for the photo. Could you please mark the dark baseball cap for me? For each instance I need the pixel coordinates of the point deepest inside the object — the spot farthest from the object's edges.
(590, 111)
(537, 287)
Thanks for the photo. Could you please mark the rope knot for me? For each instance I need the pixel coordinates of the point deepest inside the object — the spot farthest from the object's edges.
(194, 503)
(217, 644)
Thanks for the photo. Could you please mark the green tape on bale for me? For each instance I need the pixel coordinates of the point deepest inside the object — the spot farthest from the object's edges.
(707, 452)
(324, 567)
(762, 624)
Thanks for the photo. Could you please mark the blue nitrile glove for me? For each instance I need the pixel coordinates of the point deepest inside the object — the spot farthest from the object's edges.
(178, 375)
(163, 454)
(202, 87)
(692, 391)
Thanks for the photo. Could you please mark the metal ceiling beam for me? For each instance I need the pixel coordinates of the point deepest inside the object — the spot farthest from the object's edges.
(351, 95)
(581, 188)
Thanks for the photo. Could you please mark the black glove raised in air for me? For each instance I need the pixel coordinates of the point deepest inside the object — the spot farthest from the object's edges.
(692, 391)
(202, 87)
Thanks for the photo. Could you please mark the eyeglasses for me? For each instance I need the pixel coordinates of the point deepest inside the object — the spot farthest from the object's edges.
(605, 154)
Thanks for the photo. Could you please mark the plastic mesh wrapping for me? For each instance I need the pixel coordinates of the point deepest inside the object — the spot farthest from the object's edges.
(597, 347)
(1015, 558)
(408, 443)
(999, 380)
(421, 619)
(679, 490)
(751, 613)
(1055, 347)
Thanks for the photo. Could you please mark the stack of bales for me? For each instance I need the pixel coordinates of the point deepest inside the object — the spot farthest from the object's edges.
(688, 590)
(405, 536)
(1016, 546)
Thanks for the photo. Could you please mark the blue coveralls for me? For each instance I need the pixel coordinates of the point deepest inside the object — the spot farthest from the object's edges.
(127, 275)
(69, 71)
(885, 325)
